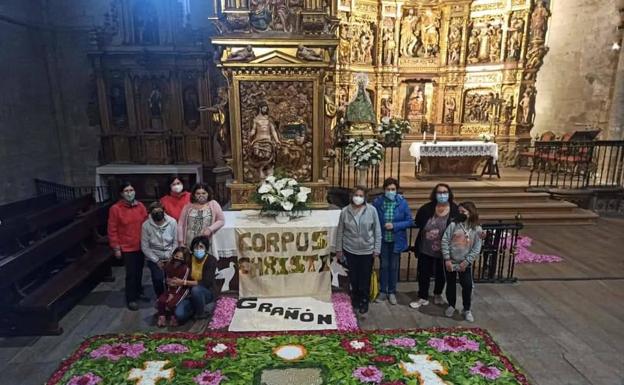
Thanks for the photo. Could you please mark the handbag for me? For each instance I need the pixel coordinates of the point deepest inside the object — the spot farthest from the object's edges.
(374, 285)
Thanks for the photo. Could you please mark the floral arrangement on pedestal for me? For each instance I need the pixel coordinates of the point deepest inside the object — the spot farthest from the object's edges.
(486, 136)
(393, 131)
(282, 197)
(363, 153)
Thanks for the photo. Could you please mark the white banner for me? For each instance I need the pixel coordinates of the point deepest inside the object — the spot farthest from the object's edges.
(278, 314)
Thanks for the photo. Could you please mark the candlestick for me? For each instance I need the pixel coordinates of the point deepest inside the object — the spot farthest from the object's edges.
(435, 136)
(424, 136)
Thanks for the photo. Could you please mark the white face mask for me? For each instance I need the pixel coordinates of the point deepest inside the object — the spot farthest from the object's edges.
(358, 200)
(177, 188)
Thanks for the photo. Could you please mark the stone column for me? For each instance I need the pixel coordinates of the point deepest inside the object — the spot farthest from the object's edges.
(616, 118)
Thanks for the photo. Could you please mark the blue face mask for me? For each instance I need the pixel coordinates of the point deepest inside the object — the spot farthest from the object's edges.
(442, 198)
(199, 253)
(391, 195)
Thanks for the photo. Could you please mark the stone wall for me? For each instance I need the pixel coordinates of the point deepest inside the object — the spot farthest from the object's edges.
(30, 145)
(576, 83)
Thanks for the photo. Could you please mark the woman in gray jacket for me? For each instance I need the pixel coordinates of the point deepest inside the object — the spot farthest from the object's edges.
(159, 238)
(359, 239)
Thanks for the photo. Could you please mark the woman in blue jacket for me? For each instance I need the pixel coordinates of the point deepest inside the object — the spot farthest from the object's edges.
(395, 218)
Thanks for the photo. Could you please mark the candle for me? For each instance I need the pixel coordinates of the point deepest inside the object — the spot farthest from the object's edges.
(424, 136)
(435, 135)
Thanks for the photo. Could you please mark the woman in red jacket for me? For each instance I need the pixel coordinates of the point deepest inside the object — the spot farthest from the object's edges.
(177, 198)
(125, 219)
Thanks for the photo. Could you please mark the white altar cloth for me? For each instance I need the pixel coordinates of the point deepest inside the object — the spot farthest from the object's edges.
(458, 148)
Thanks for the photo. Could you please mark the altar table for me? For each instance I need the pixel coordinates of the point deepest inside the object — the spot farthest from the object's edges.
(277, 260)
(452, 159)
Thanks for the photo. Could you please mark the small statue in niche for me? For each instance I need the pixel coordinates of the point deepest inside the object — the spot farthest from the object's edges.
(219, 117)
(484, 44)
(344, 48)
(305, 53)
(118, 106)
(449, 109)
(191, 108)
(429, 35)
(409, 40)
(155, 107)
(508, 111)
(263, 142)
(535, 55)
(416, 104)
(496, 39)
(145, 23)
(389, 45)
(281, 13)
(473, 46)
(365, 46)
(386, 108)
(242, 55)
(539, 21)
(514, 42)
(454, 40)
(526, 106)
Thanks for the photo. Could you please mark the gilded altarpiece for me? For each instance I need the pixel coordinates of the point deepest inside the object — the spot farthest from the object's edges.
(278, 59)
(458, 67)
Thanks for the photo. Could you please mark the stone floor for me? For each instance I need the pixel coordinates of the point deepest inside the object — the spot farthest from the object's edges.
(562, 323)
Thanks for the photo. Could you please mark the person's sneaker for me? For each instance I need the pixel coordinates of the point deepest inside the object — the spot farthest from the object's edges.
(419, 303)
(132, 305)
(468, 316)
(392, 299)
(449, 312)
(381, 297)
(438, 299)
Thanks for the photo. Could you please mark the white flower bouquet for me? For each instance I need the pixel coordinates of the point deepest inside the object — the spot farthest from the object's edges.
(364, 152)
(281, 195)
(393, 130)
(486, 136)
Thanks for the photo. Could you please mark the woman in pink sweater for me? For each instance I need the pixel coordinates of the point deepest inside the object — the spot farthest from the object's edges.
(202, 216)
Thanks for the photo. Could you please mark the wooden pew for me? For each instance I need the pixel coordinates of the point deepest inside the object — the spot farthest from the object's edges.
(18, 208)
(38, 311)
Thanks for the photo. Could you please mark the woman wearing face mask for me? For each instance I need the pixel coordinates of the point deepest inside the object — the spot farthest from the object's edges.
(358, 237)
(431, 220)
(125, 219)
(395, 218)
(159, 237)
(177, 198)
(201, 282)
(202, 216)
(461, 245)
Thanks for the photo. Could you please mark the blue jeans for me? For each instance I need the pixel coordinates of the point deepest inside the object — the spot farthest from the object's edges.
(158, 278)
(389, 272)
(194, 304)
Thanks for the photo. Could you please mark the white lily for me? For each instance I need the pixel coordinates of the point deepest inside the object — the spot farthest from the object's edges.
(287, 205)
(265, 188)
(304, 189)
(292, 182)
(287, 192)
(302, 197)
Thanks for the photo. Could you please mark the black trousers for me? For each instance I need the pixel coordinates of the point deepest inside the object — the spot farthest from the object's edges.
(428, 267)
(360, 269)
(158, 278)
(465, 280)
(133, 261)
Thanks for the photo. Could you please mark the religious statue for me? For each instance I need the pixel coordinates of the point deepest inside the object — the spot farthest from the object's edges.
(145, 22)
(219, 117)
(190, 106)
(242, 55)
(514, 41)
(454, 42)
(484, 44)
(343, 99)
(344, 47)
(535, 55)
(508, 111)
(281, 16)
(429, 35)
(360, 110)
(416, 104)
(305, 53)
(526, 106)
(496, 39)
(155, 107)
(364, 49)
(263, 142)
(118, 106)
(408, 37)
(386, 107)
(260, 16)
(473, 46)
(389, 45)
(539, 21)
(449, 109)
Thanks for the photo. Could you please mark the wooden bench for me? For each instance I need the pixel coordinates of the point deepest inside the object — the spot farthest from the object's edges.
(15, 209)
(37, 311)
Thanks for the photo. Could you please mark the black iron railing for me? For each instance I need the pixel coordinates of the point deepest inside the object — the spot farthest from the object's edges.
(577, 165)
(65, 192)
(495, 264)
(343, 174)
